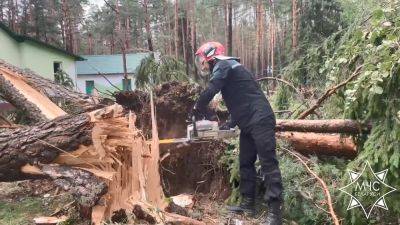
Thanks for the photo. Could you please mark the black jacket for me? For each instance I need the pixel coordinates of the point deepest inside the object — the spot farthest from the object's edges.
(243, 96)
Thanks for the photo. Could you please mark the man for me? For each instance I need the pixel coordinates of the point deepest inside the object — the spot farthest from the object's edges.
(251, 111)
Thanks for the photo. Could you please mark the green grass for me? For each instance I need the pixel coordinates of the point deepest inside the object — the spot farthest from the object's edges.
(20, 213)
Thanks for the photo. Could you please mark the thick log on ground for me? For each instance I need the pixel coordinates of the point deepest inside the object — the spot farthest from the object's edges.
(84, 185)
(322, 126)
(41, 143)
(316, 143)
(74, 101)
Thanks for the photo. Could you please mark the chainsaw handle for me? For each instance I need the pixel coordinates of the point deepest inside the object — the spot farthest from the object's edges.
(195, 134)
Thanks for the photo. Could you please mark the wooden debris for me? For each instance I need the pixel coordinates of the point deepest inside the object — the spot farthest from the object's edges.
(47, 220)
(183, 200)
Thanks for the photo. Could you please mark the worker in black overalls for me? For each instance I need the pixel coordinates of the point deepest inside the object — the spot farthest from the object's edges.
(250, 110)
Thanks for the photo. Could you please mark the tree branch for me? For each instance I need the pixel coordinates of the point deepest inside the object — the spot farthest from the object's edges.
(328, 93)
(111, 6)
(323, 184)
(280, 80)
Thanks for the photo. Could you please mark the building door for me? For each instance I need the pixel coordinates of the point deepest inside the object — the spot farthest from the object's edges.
(89, 86)
(126, 84)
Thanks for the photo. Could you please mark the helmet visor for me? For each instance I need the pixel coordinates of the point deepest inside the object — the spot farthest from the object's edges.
(202, 65)
(199, 60)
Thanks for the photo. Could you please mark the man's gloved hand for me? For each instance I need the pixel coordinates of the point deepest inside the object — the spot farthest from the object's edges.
(196, 114)
(225, 126)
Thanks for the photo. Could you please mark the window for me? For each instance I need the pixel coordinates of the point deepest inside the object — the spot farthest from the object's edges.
(56, 66)
(89, 86)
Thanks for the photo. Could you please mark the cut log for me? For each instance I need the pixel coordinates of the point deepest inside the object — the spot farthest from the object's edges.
(322, 126)
(74, 101)
(16, 91)
(44, 220)
(325, 144)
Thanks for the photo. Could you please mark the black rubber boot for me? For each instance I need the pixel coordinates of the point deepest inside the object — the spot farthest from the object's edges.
(274, 216)
(246, 207)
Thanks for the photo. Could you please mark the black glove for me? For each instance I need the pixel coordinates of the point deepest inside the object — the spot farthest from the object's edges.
(226, 126)
(196, 114)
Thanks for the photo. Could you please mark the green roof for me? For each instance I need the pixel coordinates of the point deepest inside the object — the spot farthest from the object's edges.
(23, 38)
(109, 64)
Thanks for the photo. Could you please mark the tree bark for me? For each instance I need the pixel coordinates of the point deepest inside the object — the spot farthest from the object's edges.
(147, 25)
(41, 143)
(322, 126)
(74, 101)
(193, 38)
(176, 27)
(295, 27)
(17, 92)
(85, 186)
(259, 37)
(320, 144)
(228, 22)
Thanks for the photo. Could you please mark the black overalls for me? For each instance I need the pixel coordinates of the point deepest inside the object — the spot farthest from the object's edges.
(251, 111)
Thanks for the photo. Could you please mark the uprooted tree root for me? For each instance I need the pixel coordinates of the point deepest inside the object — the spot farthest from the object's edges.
(173, 101)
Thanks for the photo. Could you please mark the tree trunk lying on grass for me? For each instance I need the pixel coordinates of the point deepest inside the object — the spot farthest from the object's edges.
(320, 144)
(341, 126)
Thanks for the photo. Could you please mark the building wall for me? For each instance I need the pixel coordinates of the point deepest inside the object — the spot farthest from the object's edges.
(33, 56)
(40, 60)
(9, 49)
(100, 83)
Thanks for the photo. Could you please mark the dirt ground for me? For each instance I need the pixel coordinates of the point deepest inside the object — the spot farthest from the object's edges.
(22, 201)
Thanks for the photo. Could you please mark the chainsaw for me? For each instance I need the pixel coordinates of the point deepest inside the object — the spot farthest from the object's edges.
(202, 130)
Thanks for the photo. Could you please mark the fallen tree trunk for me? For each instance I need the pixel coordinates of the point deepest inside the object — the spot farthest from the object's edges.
(315, 143)
(84, 185)
(41, 143)
(17, 92)
(322, 126)
(70, 100)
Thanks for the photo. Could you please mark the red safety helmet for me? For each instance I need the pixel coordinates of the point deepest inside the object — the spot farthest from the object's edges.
(207, 52)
